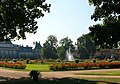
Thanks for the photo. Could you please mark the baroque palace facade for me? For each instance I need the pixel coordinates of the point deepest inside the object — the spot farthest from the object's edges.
(8, 50)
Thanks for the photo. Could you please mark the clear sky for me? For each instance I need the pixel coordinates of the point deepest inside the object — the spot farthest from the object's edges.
(67, 18)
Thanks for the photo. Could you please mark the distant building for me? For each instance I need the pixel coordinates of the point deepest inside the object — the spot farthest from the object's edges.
(108, 53)
(105, 52)
(10, 51)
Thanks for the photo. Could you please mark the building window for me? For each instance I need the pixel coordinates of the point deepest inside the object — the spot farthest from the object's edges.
(10, 52)
(14, 52)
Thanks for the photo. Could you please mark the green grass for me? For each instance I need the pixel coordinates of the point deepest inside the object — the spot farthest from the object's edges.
(40, 67)
(108, 73)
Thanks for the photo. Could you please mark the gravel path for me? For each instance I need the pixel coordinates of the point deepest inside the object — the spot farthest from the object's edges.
(60, 74)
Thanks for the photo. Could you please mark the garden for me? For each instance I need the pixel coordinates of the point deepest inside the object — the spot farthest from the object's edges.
(84, 66)
(51, 66)
(47, 65)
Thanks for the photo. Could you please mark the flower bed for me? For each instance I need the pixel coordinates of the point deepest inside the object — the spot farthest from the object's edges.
(16, 65)
(84, 66)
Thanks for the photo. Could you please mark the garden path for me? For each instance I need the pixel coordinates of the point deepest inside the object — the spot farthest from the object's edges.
(58, 74)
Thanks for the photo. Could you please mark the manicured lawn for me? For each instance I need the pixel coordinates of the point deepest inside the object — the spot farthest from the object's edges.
(29, 67)
(109, 73)
(40, 67)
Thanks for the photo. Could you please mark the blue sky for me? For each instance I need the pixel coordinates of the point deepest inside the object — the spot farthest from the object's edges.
(67, 18)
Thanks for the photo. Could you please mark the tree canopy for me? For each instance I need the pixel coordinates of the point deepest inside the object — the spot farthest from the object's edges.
(86, 46)
(18, 17)
(49, 49)
(106, 35)
(67, 43)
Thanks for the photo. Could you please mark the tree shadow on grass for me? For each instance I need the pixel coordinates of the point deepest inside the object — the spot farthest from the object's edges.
(50, 81)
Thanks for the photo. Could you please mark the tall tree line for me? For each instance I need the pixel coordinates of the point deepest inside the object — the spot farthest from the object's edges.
(53, 50)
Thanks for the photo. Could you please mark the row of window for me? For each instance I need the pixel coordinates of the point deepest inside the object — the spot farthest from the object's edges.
(7, 52)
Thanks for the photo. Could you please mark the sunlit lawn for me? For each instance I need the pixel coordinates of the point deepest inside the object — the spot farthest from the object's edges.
(40, 67)
(109, 73)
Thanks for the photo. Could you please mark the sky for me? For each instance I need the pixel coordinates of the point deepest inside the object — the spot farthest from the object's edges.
(66, 18)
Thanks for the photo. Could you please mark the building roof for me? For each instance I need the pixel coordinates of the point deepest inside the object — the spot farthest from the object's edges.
(37, 45)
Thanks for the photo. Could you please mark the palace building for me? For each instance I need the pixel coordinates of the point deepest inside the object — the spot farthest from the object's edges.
(8, 50)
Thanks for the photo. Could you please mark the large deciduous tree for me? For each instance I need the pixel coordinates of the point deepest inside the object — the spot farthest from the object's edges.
(65, 44)
(49, 49)
(106, 35)
(86, 46)
(18, 17)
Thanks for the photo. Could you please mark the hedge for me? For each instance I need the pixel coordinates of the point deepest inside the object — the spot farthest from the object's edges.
(82, 66)
(16, 65)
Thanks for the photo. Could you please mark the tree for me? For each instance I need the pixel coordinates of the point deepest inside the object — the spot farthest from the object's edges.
(106, 34)
(18, 17)
(105, 8)
(49, 49)
(86, 46)
(61, 52)
(65, 44)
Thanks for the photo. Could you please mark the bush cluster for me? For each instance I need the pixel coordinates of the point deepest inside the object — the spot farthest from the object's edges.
(16, 65)
(84, 66)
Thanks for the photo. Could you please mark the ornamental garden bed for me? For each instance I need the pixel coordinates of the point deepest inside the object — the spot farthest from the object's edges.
(15, 65)
(84, 66)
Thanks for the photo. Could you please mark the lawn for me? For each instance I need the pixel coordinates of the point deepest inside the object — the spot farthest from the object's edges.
(40, 67)
(108, 73)
(29, 67)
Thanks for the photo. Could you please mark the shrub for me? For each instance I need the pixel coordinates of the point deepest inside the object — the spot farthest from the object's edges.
(77, 61)
(27, 61)
(110, 60)
(94, 61)
(6, 60)
(42, 61)
(88, 65)
(14, 60)
(16, 65)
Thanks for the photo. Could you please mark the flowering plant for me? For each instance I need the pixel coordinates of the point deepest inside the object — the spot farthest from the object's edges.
(16, 65)
(79, 66)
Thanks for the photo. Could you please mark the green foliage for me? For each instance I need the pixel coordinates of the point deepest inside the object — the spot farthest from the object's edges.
(106, 34)
(14, 60)
(49, 49)
(94, 61)
(6, 60)
(86, 46)
(18, 17)
(84, 66)
(67, 43)
(61, 52)
(77, 61)
(27, 61)
(42, 61)
(16, 65)
(105, 8)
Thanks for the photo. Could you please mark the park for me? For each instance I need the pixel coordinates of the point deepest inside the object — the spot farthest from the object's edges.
(93, 57)
(107, 73)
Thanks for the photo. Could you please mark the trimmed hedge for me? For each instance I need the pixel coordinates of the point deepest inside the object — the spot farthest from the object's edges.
(83, 66)
(16, 65)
